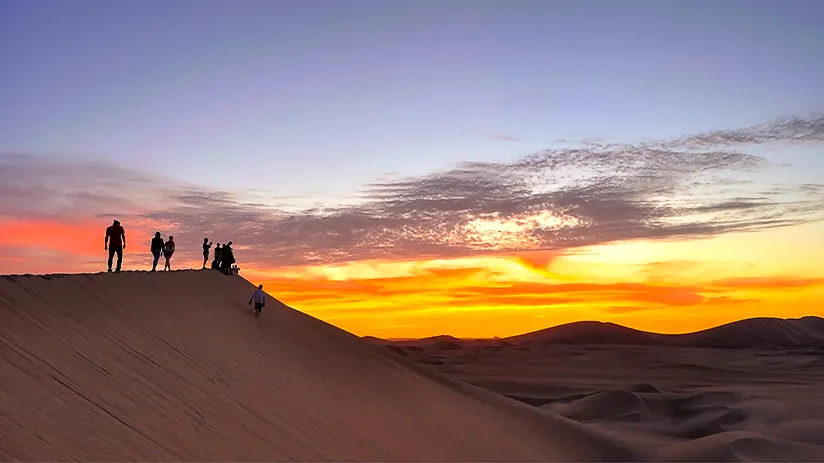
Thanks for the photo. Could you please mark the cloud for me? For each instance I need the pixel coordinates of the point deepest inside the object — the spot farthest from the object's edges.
(456, 290)
(540, 262)
(556, 199)
(715, 301)
(549, 294)
(58, 188)
(618, 309)
(502, 137)
(768, 283)
(791, 129)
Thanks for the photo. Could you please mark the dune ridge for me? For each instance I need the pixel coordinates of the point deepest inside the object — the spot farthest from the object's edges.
(161, 366)
(752, 333)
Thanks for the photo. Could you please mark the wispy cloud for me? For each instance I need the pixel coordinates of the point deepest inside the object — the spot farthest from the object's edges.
(471, 289)
(61, 188)
(764, 283)
(554, 199)
(793, 129)
(502, 137)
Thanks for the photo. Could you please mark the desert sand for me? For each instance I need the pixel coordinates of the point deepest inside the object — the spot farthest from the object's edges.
(747, 391)
(166, 366)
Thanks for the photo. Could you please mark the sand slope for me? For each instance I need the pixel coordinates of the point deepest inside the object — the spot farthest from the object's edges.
(174, 366)
(678, 403)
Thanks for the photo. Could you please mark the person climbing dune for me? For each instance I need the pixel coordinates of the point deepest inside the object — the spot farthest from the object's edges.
(259, 297)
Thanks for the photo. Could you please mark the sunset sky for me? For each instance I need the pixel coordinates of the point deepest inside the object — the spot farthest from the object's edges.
(411, 168)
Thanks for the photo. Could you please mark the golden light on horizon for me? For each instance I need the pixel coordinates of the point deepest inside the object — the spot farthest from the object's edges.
(666, 286)
(661, 286)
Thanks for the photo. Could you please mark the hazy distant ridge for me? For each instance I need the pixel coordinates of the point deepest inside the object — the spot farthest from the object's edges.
(761, 333)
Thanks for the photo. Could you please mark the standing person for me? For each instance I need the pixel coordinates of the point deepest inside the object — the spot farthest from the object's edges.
(260, 299)
(227, 258)
(115, 242)
(218, 256)
(206, 246)
(168, 250)
(157, 249)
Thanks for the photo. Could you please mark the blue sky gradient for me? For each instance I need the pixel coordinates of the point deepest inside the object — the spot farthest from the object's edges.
(317, 98)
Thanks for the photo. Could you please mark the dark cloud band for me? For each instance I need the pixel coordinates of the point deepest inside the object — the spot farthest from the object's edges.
(554, 199)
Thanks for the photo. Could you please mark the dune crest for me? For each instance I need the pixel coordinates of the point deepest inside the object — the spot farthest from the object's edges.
(173, 366)
(762, 333)
(752, 333)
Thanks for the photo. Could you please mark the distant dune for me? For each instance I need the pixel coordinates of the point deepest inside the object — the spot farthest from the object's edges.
(745, 391)
(174, 366)
(587, 333)
(760, 333)
(754, 333)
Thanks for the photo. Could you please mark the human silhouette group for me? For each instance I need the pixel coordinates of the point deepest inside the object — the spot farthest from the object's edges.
(115, 243)
(224, 257)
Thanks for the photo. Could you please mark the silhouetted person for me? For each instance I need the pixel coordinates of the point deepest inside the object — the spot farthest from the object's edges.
(157, 249)
(260, 299)
(168, 250)
(218, 255)
(115, 242)
(227, 258)
(206, 246)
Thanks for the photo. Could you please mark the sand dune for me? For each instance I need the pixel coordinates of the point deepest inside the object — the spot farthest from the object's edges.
(675, 403)
(754, 333)
(174, 366)
(587, 333)
(760, 333)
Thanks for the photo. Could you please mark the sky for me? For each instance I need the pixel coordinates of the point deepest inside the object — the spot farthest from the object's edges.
(414, 168)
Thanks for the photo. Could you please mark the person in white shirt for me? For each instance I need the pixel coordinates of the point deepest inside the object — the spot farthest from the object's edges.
(259, 297)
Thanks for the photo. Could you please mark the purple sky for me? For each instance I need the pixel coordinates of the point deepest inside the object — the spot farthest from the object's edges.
(320, 97)
(365, 107)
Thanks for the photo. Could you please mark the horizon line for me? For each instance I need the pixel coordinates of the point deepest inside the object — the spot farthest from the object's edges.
(405, 339)
(670, 335)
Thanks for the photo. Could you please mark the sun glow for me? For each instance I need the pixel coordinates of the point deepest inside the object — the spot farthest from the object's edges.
(494, 232)
(665, 286)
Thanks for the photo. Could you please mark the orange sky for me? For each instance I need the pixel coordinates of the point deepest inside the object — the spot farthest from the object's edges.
(663, 286)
